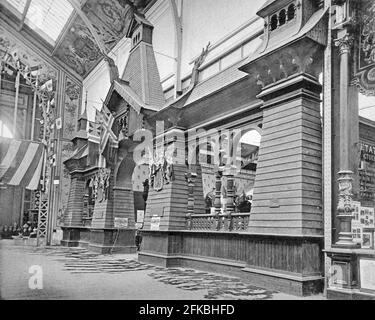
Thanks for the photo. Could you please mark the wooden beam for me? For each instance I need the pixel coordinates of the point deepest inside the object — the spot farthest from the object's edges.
(16, 104)
(77, 7)
(22, 22)
(178, 29)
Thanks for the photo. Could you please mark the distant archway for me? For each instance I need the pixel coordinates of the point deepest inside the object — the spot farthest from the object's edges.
(5, 132)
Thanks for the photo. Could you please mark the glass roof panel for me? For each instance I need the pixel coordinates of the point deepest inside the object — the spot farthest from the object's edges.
(48, 17)
(19, 5)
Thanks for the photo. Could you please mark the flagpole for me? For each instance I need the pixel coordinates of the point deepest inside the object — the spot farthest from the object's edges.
(1, 74)
(17, 85)
(34, 110)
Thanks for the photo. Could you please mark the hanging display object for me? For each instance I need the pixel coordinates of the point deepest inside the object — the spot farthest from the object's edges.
(364, 77)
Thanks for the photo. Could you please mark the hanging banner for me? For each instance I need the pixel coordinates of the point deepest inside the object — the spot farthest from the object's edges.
(21, 163)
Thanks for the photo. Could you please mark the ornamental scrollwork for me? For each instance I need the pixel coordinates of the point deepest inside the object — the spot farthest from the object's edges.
(101, 184)
(364, 77)
(123, 124)
(73, 91)
(368, 36)
(345, 193)
(344, 43)
(161, 172)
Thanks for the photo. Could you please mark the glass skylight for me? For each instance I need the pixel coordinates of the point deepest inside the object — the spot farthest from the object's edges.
(48, 17)
(18, 4)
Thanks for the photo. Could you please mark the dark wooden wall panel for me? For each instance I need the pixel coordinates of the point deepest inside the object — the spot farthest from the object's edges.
(288, 193)
(294, 255)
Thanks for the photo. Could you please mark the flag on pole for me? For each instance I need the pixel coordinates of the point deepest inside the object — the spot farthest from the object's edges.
(107, 135)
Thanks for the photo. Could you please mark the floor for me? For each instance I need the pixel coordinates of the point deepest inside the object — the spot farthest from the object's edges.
(32, 273)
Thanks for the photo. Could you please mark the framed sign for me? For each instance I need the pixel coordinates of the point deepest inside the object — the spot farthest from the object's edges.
(121, 223)
(140, 216)
(367, 274)
(357, 231)
(367, 217)
(155, 223)
(367, 240)
(357, 209)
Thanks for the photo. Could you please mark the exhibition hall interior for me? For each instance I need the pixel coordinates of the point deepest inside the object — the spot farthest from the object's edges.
(188, 139)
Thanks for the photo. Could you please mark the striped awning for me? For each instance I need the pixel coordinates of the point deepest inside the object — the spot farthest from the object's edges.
(21, 163)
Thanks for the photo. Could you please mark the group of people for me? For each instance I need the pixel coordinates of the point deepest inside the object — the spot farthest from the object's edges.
(29, 229)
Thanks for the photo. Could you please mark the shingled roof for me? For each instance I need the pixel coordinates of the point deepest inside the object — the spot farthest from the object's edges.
(141, 71)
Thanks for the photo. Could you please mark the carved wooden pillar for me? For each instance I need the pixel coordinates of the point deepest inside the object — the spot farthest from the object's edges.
(230, 198)
(230, 193)
(344, 208)
(217, 202)
(104, 195)
(190, 178)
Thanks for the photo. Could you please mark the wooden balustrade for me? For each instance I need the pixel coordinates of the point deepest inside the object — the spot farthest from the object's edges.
(222, 222)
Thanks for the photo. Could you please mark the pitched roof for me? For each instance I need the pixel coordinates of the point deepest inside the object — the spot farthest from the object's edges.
(127, 93)
(217, 82)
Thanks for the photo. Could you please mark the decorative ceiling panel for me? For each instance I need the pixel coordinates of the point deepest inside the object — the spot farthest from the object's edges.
(110, 18)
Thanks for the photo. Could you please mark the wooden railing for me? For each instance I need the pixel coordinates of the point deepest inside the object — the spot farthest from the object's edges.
(221, 222)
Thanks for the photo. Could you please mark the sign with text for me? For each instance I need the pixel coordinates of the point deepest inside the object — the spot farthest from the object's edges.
(367, 173)
(367, 152)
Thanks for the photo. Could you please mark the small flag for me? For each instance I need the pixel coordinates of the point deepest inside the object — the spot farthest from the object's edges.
(58, 123)
(8, 71)
(47, 86)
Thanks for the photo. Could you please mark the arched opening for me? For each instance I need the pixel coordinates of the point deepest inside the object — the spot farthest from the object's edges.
(5, 132)
(207, 160)
(250, 143)
(291, 12)
(273, 25)
(282, 17)
(125, 173)
(247, 152)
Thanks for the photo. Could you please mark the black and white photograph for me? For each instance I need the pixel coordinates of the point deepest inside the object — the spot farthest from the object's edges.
(192, 157)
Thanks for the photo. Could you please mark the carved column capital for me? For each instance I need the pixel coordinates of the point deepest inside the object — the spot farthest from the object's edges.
(344, 43)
